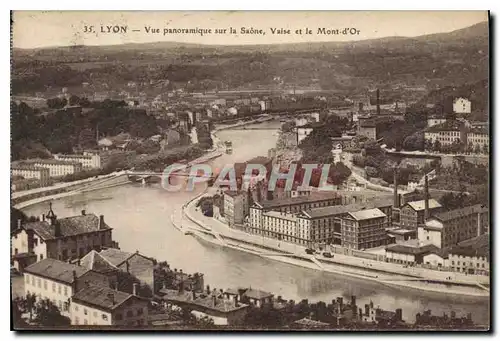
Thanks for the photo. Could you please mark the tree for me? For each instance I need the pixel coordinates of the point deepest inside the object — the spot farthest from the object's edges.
(372, 172)
(48, 315)
(437, 146)
(485, 148)
(74, 100)
(477, 149)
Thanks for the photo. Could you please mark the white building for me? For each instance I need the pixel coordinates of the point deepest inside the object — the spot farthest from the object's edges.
(478, 138)
(58, 168)
(88, 161)
(31, 172)
(432, 121)
(461, 106)
(279, 225)
(58, 281)
(101, 305)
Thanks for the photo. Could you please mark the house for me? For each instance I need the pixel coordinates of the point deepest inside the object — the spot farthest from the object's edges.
(255, 297)
(58, 281)
(101, 305)
(95, 262)
(461, 106)
(364, 229)
(135, 264)
(214, 305)
(446, 229)
(409, 252)
(471, 256)
(412, 213)
(63, 239)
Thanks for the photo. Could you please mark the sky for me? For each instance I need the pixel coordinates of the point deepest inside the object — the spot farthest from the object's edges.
(35, 29)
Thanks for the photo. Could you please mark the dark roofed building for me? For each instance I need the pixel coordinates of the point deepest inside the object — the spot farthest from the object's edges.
(63, 239)
(100, 305)
(140, 266)
(446, 229)
(471, 256)
(223, 310)
(409, 252)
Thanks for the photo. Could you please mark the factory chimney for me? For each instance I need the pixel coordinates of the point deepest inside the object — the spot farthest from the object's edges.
(396, 198)
(426, 198)
(378, 102)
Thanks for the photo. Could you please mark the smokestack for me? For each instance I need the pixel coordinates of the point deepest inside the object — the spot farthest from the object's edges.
(426, 198)
(75, 286)
(396, 197)
(378, 102)
(83, 212)
(112, 298)
(399, 314)
(101, 222)
(134, 289)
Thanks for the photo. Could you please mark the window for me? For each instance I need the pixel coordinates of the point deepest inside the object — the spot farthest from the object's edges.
(85, 312)
(44, 284)
(27, 278)
(139, 312)
(85, 322)
(66, 306)
(77, 320)
(76, 307)
(39, 282)
(65, 291)
(105, 317)
(59, 289)
(41, 256)
(130, 313)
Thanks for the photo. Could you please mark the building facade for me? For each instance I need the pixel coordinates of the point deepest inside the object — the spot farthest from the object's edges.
(412, 214)
(235, 207)
(447, 229)
(30, 172)
(63, 239)
(364, 229)
(58, 281)
(100, 305)
(478, 138)
(88, 161)
(58, 168)
(462, 106)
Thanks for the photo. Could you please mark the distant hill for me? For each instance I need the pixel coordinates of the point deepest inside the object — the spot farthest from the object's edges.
(436, 60)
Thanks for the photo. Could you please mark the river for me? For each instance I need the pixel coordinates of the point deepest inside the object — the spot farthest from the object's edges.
(140, 216)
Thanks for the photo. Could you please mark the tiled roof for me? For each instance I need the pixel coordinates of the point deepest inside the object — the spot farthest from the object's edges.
(313, 197)
(412, 250)
(368, 214)
(475, 247)
(101, 297)
(94, 261)
(56, 270)
(71, 226)
(420, 204)
(257, 294)
(115, 257)
(202, 301)
(460, 212)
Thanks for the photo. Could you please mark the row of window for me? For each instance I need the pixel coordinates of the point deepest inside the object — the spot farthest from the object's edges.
(37, 282)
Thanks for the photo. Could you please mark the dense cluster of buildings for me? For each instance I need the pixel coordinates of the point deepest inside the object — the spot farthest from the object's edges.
(414, 228)
(443, 132)
(39, 172)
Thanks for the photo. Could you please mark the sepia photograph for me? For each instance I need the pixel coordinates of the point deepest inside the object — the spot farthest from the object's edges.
(250, 171)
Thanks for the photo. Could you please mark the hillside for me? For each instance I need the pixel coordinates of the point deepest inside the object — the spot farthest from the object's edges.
(438, 60)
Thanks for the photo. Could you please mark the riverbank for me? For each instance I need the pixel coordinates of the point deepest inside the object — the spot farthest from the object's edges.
(391, 274)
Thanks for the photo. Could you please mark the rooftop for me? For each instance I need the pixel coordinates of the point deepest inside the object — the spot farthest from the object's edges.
(475, 247)
(419, 205)
(70, 226)
(314, 197)
(94, 261)
(460, 213)
(205, 302)
(28, 167)
(413, 247)
(115, 257)
(49, 162)
(101, 297)
(449, 125)
(56, 270)
(367, 214)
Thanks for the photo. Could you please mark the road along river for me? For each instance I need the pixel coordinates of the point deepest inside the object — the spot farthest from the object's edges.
(140, 216)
